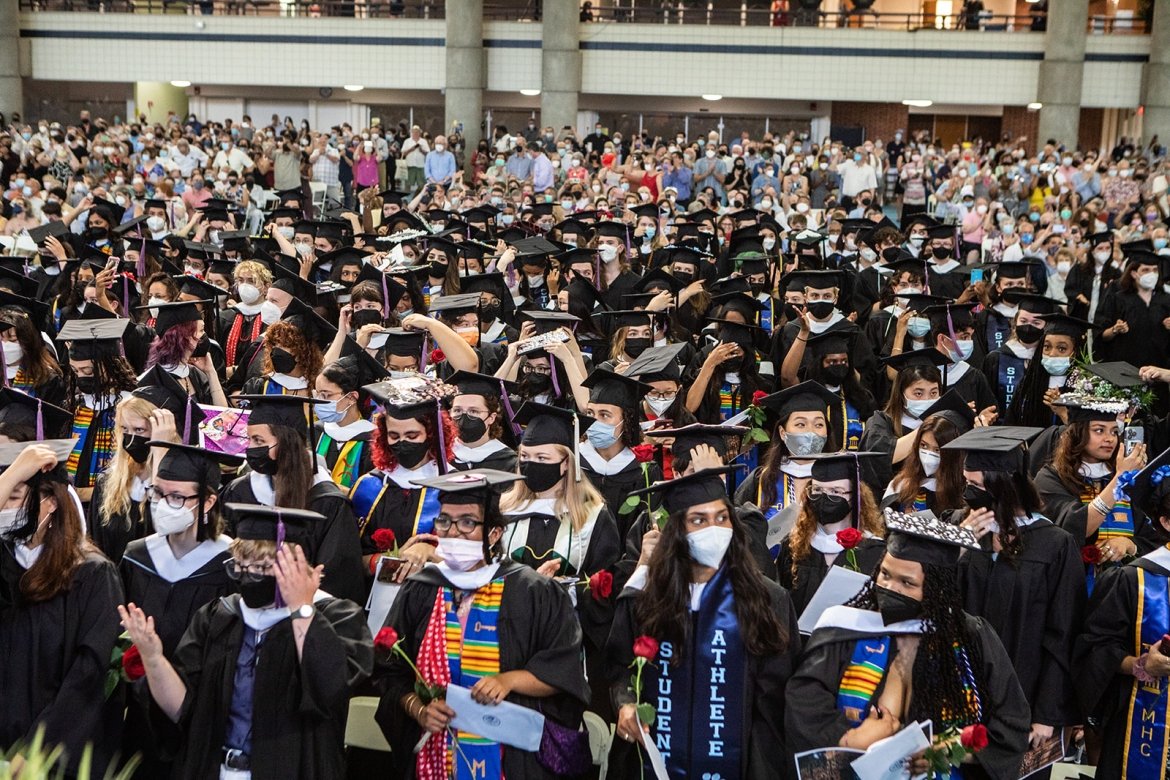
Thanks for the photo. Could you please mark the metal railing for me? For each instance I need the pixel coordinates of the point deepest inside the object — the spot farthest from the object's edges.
(688, 12)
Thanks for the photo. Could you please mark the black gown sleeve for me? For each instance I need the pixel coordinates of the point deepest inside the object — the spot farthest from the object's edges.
(812, 719)
(1006, 711)
(1061, 506)
(338, 631)
(1105, 641)
(1054, 701)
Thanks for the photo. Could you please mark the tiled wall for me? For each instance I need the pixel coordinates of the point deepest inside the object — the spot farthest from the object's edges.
(978, 68)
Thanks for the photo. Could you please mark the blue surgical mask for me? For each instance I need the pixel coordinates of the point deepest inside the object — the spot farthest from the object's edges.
(917, 407)
(1026, 238)
(649, 232)
(329, 413)
(964, 348)
(601, 435)
(918, 327)
(1056, 366)
(1160, 243)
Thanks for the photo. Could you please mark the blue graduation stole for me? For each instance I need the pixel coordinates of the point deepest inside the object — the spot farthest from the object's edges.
(768, 315)
(998, 328)
(367, 493)
(1146, 738)
(1011, 373)
(273, 388)
(785, 495)
(861, 678)
(699, 728)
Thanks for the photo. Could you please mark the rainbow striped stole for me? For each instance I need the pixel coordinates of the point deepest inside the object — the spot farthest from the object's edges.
(22, 383)
(1119, 522)
(102, 430)
(726, 402)
(472, 654)
(863, 675)
(349, 456)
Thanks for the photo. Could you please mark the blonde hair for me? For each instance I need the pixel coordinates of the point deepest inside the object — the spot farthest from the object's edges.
(256, 267)
(579, 500)
(121, 470)
(252, 549)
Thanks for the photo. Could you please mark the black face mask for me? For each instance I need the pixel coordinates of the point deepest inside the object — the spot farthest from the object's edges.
(364, 317)
(283, 361)
(540, 476)
(821, 309)
(471, 428)
(259, 594)
(259, 460)
(791, 313)
(87, 384)
(489, 312)
(896, 607)
(201, 347)
(829, 509)
(977, 497)
(635, 347)
(836, 374)
(409, 453)
(96, 234)
(137, 447)
(890, 254)
(538, 383)
(756, 287)
(438, 270)
(686, 277)
(1028, 334)
(941, 253)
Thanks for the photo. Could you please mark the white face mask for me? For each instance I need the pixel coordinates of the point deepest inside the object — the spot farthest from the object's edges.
(168, 520)
(660, 405)
(249, 293)
(13, 353)
(270, 313)
(304, 250)
(929, 461)
(155, 302)
(156, 224)
(288, 231)
(917, 407)
(461, 554)
(709, 545)
(12, 519)
(608, 253)
(769, 243)
(1148, 281)
(1063, 266)
(535, 280)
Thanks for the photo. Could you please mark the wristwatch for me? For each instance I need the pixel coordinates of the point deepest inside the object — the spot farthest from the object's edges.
(305, 611)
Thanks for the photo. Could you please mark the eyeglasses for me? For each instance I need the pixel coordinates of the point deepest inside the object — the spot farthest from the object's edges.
(464, 525)
(458, 414)
(253, 572)
(173, 500)
(530, 369)
(815, 491)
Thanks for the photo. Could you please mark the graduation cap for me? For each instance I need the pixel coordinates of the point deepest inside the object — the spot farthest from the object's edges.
(291, 283)
(274, 523)
(471, 383)
(191, 463)
(164, 391)
(409, 405)
(836, 341)
(548, 321)
(578, 256)
(610, 321)
(941, 231)
(392, 290)
(926, 540)
(572, 226)
(46, 420)
(454, 305)
(682, 493)
(952, 407)
(136, 224)
(314, 327)
(690, 436)
(702, 215)
(492, 283)
(1092, 409)
(921, 218)
(286, 212)
(948, 316)
(658, 280)
(36, 309)
(544, 424)
(22, 284)
(1104, 237)
(814, 280)
(474, 486)
(403, 342)
(60, 447)
(657, 364)
(1118, 373)
(201, 290)
(917, 357)
(1030, 302)
(479, 214)
(217, 209)
(177, 313)
(354, 357)
(1015, 269)
(995, 448)
(87, 337)
(536, 248)
(807, 396)
(48, 230)
(1064, 325)
(613, 229)
(1150, 486)
(284, 410)
(607, 387)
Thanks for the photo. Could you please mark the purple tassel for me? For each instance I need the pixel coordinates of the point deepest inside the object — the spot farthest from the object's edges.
(142, 261)
(125, 297)
(442, 459)
(40, 420)
(385, 298)
(187, 422)
(552, 364)
(508, 408)
(279, 544)
(422, 359)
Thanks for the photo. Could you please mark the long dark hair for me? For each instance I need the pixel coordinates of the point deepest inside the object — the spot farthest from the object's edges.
(1011, 491)
(38, 365)
(1070, 450)
(896, 404)
(64, 544)
(1027, 406)
(938, 676)
(777, 452)
(948, 492)
(294, 470)
(662, 607)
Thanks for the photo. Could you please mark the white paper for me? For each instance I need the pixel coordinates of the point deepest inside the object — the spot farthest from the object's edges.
(506, 723)
(657, 762)
(888, 759)
(382, 596)
(839, 585)
(780, 525)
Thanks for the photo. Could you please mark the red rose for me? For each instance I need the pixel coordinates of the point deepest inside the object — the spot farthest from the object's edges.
(1091, 553)
(646, 647)
(132, 665)
(383, 539)
(643, 453)
(386, 639)
(601, 585)
(974, 738)
(849, 538)
(758, 396)
(437, 356)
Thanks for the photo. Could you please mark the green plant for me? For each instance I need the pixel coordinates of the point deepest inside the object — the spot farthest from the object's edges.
(44, 762)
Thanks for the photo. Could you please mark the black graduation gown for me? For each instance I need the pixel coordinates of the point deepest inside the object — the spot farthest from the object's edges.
(226, 320)
(299, 706)
(991, 369)
(623, 285)
(396, 510)
(811, 572)
(879, 436)
(862, 357)
(763, 701)
(1107, 639)
(1081, 280)
(616, 487)
(113, 536)
(814, 721)
(334, 542)
(502, 459)
(950, 284)
(971, 386)
(537, 634)
(1147, 340)
(56, 654)
(1035, 604)
(1062, 507)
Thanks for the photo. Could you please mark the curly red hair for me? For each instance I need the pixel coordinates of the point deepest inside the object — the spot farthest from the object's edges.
(288, 336)
(383, 456)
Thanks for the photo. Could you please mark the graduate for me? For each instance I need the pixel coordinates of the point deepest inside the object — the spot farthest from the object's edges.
(931, 477)
(179, 568)
(480, 411)
(261, 680)
(1006, 368)
(924, 658)
(714, 616)
(952, 333)
(1121, 659)
(527, 645)
(283, 472)
(829, 364)
(58, 620)
(994, 323)
(1033, 403)
(241, 326)
(1027, 580)
(344, 435)
(180, 347)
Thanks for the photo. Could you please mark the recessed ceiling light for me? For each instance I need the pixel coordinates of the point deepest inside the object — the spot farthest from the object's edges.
(353, 87)
(918, 103)
(530, 92)
(1035, 106)
(711, 97)
(180, 84)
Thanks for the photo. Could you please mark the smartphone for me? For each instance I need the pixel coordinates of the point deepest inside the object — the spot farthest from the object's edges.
(976, 275)
(1134, 435)
(1058, 228)
(112, 264)
(388, 568)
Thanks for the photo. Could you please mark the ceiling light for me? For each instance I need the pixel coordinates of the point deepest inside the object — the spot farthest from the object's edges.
(918, 103)
(1035, 106)
(353, 87)
(711, 97)
(180, 84)
(530, 92)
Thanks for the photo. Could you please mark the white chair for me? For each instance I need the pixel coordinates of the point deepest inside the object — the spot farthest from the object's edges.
(318, 191)
(600, 738)
(360, 729)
